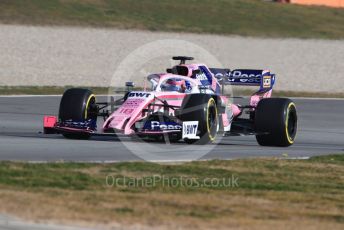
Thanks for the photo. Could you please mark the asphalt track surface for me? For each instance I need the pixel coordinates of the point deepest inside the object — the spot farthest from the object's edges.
(320, 131)
(12, 223)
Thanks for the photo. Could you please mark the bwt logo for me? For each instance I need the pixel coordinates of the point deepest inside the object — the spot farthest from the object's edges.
(190, 129)
(139, 94)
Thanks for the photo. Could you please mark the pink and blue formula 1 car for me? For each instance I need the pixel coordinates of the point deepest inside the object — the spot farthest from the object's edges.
(185, 103)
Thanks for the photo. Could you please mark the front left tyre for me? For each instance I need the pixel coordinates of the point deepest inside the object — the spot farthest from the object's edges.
(77, 105)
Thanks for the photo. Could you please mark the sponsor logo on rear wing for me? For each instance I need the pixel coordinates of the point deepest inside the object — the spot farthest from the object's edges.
(262, 78)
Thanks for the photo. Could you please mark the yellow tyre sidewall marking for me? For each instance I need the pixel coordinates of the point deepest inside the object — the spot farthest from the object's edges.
(88, 102)
(290, 140)
(211, 101)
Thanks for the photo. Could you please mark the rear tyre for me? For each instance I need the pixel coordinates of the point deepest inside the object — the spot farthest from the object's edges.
(77, 105)
(201, 108)
(278, 118)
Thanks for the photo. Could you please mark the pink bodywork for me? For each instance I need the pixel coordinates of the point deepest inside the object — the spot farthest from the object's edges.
(49, 121)
(131, 110)
(255, 98)
(123, 119)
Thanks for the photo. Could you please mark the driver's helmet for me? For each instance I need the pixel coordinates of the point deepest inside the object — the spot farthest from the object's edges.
(172, 84)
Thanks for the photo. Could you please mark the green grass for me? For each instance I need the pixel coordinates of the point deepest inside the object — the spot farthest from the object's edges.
(268, 193)
(239, 17)
(263, 174)
(331, 159)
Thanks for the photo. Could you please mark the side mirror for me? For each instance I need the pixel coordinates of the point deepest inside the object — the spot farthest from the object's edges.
(129, 85)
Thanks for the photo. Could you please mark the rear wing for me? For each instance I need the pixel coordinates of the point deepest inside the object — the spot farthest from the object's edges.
(246, 77)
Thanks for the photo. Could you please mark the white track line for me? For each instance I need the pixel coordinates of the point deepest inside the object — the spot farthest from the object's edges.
(155, 161)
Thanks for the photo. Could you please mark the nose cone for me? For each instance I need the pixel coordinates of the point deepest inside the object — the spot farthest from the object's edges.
(130, 111)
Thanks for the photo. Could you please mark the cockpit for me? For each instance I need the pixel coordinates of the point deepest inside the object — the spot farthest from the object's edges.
(180, 78)
(171, 83)
(174, 85)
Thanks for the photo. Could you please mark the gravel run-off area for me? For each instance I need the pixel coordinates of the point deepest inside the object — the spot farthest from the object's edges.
(59, 56)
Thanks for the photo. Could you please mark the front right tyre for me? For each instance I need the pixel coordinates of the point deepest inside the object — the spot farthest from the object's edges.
(201, 108)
